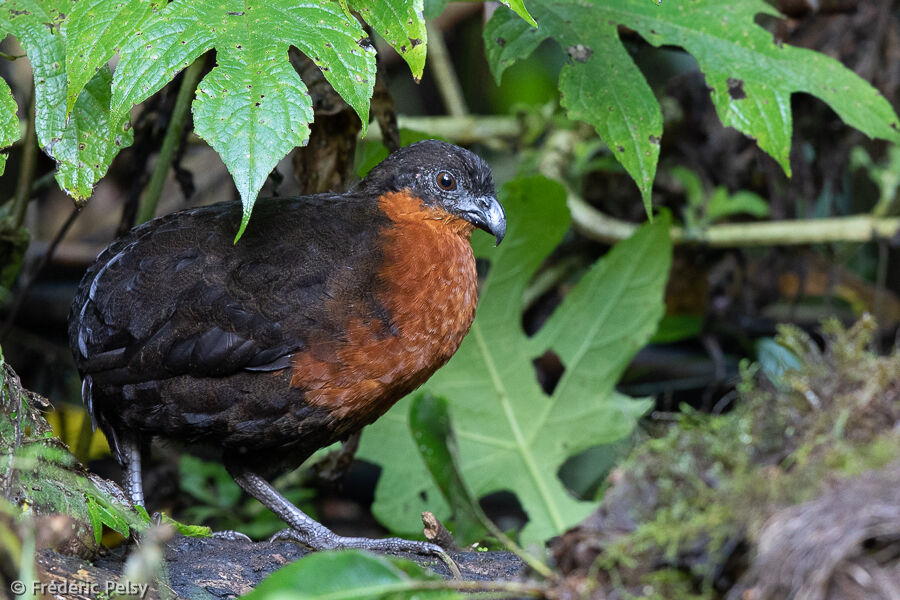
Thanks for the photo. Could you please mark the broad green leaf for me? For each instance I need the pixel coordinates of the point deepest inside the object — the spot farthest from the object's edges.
(94, 31)
(402, 24)
(599, 85)
(252, 107)
(512, 436)
(9, 122)
(750, 76)
(84, 144)
(349, 575)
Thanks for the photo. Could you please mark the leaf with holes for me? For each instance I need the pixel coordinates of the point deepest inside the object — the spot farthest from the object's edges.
(84, 144)
(9, 123)
(252, 107)
(750, 76)
(402, 24)
(512, 436)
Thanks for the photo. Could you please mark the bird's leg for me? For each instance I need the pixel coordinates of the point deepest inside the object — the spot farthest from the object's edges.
(311, 533)
(130, 457)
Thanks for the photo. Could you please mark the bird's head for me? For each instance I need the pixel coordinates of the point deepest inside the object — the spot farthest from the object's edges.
(443, 176)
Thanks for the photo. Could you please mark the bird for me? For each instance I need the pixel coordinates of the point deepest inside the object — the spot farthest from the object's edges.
(329, 309)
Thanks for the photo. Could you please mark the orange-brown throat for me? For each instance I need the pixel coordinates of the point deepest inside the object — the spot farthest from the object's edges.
(428, 284)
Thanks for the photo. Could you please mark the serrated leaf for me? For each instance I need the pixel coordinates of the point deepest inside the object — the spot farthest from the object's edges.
(94, 31)
(90, 140)
(84, 144)
(9, 122)
(512, 436)
(402, 25)
(751, 77)
(252, 107)
(599, 85)
(348, 575)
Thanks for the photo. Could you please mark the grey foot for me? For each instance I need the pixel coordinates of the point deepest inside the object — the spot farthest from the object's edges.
(332, 541)
(313, 534)
(325, 539)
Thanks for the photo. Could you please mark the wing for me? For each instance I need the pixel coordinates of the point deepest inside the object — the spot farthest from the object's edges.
(177, 296)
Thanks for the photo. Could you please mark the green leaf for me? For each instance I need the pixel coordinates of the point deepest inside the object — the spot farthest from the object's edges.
(84, 144)
(207, 481)
(512, 436)
(9, 122)
(429, 423)
(187, 530)
(744, 202)
(44, 477)
(252, 107)
(750, 76)
(94, 31)
(348, 575)
(102, 512)
(673, 328)
(518, 7)
(402, 24)
(599, 85)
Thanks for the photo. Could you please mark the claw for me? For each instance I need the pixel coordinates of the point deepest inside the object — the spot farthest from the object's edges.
(332, 541)
(230, 534)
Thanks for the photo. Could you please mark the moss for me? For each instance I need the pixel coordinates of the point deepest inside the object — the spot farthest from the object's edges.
(710, 482)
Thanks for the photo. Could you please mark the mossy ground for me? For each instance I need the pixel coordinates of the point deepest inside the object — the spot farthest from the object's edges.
(685, 510)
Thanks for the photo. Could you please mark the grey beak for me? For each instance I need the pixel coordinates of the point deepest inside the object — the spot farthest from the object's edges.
(487, 214)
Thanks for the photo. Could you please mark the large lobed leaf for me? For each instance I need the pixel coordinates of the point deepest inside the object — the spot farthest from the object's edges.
(512, 436)
(94, 31)
(84, 141)
(402, 24)
(252, 107)
(750, 76)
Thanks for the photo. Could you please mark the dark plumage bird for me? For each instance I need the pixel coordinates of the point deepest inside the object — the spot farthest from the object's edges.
(327, 311)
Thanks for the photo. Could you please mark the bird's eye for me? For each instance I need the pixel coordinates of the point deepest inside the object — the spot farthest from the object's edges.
(445, 181)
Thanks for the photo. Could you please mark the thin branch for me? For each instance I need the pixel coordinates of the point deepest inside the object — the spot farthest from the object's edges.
(150, 197)
(444, 74)
(604, 228)
(26, 170)
(463, 130)
(858, 228)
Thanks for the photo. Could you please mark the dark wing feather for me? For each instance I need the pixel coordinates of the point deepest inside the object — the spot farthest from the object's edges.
(176, 296)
